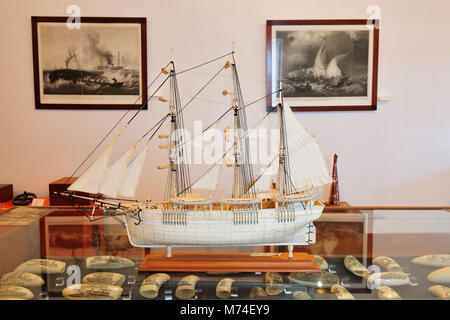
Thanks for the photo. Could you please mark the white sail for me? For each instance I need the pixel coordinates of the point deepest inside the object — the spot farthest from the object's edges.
(320, 65)
(268, 174)
(115, 174)
(257, 136)
(333, 69)
(133, 173)
(92, 178)
(264, 182)
(307, 164)
(209, 180)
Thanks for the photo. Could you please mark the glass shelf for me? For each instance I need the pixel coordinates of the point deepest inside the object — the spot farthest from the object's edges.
(67, 235)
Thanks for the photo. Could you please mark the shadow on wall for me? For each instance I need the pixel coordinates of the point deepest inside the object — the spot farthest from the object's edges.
(414, 193)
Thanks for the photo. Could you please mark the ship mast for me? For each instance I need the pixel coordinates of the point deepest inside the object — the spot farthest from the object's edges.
(172, 183)
(178, 183)
(236, 153)
(284, 182)
(242, 169)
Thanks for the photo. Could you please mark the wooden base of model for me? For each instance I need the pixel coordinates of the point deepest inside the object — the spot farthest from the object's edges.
(229, 262)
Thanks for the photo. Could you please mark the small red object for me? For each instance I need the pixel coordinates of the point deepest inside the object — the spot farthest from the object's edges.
(61, 185)
(334, 191)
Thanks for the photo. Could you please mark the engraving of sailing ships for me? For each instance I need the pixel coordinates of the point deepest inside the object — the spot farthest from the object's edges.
(256, 214)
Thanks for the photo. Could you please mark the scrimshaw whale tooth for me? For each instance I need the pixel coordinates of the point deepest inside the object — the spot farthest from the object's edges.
(274, 283)
(301, 295)
(440, 291)
(15, 293)
(108, 262)
(323, 264)
(164, 71)
(323, 279)
(162, 99)
(387, 293)
(163, 136)
(92, 291)
(354, 266)
(223, 289)
(38, 266)
(163, 166)
(21, 279)
(151, 285)
(389, 279)
(433, 260)
(186, 287)
(388, 263)
(341, 293)
(257, 292)
(112, 278)
(441, 275)
(164, 146)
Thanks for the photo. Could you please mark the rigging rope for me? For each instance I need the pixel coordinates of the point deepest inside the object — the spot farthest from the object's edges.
(231, 148)
(205, 63)
(116, 124)
(198, 92)
(148, 100)
(158, 124)
(144, 104)
(225, 113)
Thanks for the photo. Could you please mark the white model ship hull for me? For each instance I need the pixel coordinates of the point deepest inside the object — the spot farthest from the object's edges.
(184, 219)
(224, 228)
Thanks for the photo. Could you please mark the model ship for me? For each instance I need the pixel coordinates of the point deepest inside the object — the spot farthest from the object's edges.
(256, 214)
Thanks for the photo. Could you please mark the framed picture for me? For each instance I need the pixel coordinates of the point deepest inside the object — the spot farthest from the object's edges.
(323, 65)
(100, 65)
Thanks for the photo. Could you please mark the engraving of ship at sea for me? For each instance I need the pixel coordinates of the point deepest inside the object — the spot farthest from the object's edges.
(92, 291)
(323, 63)
(150, 287)
(8, 292)
(323, 279)
(433, 260)
(108, 262)
(44, 266)
(112, 278)
(186, 218)
(90, 61)
(21, 279)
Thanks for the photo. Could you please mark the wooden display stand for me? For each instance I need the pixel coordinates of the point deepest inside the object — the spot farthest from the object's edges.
(228, 262)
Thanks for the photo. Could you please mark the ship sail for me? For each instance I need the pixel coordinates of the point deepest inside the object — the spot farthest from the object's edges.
(90, 181)
(264, 182)
(333, 69)
(209, 180)
(307, 164)
(268, 174)
(320, 65)
(133, 173)
(115, 174)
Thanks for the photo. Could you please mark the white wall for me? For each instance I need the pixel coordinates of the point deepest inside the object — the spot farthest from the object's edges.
(397, 155)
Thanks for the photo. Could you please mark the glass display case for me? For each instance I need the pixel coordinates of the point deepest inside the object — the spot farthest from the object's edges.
(367, 234)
